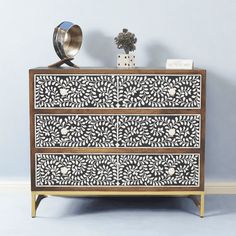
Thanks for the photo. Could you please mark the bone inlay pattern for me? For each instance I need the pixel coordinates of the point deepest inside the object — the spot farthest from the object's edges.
(112, 91)
(117, 131)
(117, 170)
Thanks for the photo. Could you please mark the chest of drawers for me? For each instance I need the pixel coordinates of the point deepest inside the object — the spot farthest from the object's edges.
(109, 132)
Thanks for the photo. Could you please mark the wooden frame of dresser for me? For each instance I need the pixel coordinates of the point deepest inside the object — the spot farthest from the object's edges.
(39, 193)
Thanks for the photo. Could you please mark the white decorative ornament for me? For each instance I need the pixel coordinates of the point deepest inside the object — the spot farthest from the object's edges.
(64, 170)
(184, 64)
(172, 91)
(64, 131)
(63, 92)
(171, 132)
(171, 171)
(126, 60)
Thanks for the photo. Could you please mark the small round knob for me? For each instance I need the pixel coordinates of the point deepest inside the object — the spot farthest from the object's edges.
(64, 170)
(63, 92)
(171, 132)
(64, 131)
(172, 91)
(171, 171)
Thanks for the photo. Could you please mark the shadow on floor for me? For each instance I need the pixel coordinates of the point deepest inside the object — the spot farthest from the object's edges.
(82, 206)
(214, 205)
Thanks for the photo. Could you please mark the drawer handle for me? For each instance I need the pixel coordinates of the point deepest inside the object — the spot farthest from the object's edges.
(171, 132)
(64, 170)
(171, 171)
(172, 91)
(63, 92)
(64, 131)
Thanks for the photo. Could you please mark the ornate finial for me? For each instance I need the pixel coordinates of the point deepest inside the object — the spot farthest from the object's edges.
(126, 40)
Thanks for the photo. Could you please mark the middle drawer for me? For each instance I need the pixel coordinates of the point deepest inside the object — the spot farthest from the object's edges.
(179, 130)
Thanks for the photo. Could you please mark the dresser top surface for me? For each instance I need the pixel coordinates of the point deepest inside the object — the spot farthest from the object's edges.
(80, 70)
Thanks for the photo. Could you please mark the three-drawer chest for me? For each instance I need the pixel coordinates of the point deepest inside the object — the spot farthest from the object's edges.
(117, 132)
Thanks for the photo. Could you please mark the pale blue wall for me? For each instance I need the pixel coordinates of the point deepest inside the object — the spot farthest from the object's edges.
(204, 30)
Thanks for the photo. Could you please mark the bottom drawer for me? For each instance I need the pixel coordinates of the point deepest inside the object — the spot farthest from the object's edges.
(117, 170)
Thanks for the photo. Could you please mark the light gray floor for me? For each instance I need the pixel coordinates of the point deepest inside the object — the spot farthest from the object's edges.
(116, 216)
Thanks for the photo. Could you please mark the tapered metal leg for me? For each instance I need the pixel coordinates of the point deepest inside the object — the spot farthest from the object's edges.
(33, 204)
(202, 205)
(199, 203)
(36, 199)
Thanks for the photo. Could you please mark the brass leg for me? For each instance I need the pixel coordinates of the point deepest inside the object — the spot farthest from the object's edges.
(33, 206)
(39, 199)
(35, 202)
(199, 203)
(202, 205)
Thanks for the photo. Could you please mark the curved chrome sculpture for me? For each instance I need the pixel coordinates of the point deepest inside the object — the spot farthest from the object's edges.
(67, 40)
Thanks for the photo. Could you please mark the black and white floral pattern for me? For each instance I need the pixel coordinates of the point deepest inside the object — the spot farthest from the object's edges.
(117, 170)
(159, 170)
(72, 91)
(176, 91)
(159, 131)
(110, 91)
(75, 131)
(118, 131)
(82, 170)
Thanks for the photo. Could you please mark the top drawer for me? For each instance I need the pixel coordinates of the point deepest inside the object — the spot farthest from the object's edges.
(117, 90)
